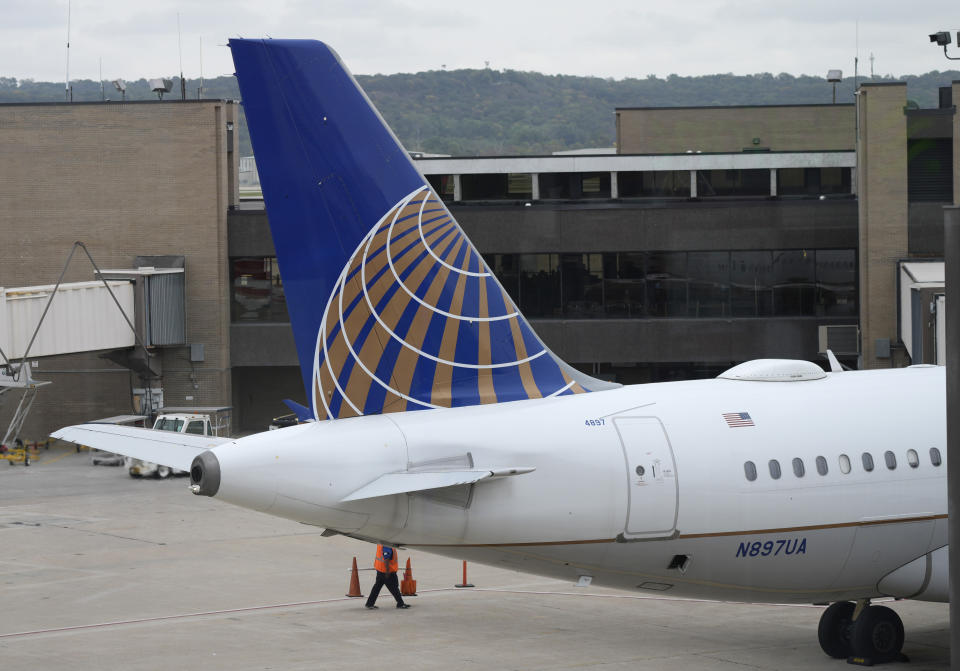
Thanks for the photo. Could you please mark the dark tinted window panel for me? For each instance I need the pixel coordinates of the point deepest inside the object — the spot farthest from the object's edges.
(709, 274)
(582, 285)
(813, 181)
(595, 185)
(257, 290)
(750, 470)
(794, 286)
(798, 468)
(751, 284)
(666, 280)
(505, 268)
(930, 169)
(822, 465)
(935, 456)
(733, 183)
(442, 184)
(659, 184)
(501, 186)
(559, 185)
(539, 285)
(774, 466)
(836, 272)
(867, 460)
(623, 284)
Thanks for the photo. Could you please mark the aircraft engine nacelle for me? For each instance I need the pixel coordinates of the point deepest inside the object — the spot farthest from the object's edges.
(925, 578)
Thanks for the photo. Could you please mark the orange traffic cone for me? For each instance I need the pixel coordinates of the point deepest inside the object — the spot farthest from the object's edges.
(408, 586)
(464, 583)
(354, 590)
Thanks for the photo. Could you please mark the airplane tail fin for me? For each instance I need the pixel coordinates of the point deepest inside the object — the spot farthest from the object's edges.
(392, 307)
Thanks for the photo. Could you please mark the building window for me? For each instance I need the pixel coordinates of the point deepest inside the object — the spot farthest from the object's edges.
(666, 280)
(496, 186)
(623, 284)
(913, 460)
(836, 273)
(574, 185)
(821, 465)
(751, 284)
(650, 184)
(867, 460)
(794, 283)
(709, 277)
(443, 185)
(539, 280)
(813, 182)
(581, 277)
(750, 470)
(774, 466)
(733, 183)
(935, 456)
(798, 468)
(257, 290)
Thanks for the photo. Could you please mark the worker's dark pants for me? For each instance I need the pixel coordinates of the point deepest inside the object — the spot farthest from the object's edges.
(388, 579)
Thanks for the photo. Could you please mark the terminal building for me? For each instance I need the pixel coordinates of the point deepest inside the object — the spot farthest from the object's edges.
(711, 236)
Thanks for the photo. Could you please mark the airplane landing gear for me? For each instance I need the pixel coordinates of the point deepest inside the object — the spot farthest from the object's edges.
(861, 633)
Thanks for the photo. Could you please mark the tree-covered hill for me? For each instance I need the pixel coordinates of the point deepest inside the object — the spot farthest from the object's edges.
(488, 112)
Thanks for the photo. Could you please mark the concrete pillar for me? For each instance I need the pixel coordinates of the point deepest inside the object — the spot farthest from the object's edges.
(534, 186)
(614, 191)
(693, 183)
(773, 182)
(951, 248)
(457, 190)
(882, 207)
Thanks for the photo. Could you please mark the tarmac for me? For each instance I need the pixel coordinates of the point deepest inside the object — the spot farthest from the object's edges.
(102, 571)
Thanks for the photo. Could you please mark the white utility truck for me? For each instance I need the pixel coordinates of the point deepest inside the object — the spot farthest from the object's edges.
(201, 421)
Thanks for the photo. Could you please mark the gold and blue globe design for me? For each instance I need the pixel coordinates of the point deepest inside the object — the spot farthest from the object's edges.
(417, 321)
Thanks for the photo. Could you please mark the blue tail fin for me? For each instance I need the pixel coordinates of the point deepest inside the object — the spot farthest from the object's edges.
(392, 307)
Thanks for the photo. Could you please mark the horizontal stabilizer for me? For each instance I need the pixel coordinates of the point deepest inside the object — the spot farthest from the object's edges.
(165, 448)
(404, 483)
(303, 413)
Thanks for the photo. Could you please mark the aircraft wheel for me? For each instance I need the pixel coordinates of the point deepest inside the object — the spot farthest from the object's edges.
(877, 634)
(835, 629)
(163, 472)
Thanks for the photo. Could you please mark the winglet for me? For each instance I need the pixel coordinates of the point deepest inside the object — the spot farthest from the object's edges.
(302, 412)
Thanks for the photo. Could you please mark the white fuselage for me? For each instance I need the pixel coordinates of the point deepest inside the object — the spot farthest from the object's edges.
(588, 510)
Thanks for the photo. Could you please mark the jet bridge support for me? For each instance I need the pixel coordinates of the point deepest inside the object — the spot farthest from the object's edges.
(951, 245)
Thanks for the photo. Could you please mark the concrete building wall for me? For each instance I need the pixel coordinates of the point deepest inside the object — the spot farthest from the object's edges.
(883, 215)
(674, 130)
(127, 179)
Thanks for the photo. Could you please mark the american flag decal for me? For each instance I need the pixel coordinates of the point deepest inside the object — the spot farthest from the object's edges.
(734, 419)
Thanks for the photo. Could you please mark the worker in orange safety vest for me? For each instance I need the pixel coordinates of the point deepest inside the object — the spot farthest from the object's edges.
(387, 565)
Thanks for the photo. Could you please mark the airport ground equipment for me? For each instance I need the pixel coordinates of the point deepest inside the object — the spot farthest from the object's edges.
(193, 420)
(111, 458)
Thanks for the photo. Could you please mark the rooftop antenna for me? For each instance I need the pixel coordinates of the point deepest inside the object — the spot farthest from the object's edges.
(66, 83)
(871, 65)
(103, 96)
(183, 84)
(200, 90)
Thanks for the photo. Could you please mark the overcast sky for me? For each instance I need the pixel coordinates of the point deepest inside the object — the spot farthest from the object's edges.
(605, 38)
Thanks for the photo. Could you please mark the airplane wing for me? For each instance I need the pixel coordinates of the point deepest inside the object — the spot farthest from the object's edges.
(166, 448)
(402, 483)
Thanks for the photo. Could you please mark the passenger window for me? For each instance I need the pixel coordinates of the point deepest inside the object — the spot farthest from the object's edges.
(774, 469)
(867, 459)
(195, 427)
(750, 470)
(844, 464)
(935, 456)
(821, 465)
(890, 459)
(912, 458)
(798, 468)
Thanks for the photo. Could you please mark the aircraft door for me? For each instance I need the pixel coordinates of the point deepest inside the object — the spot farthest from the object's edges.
(651, 478)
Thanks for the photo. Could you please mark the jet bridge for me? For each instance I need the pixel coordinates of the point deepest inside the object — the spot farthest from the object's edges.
(112, 314)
